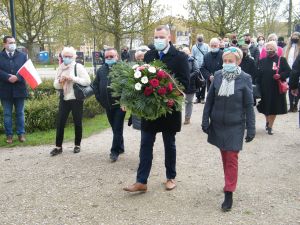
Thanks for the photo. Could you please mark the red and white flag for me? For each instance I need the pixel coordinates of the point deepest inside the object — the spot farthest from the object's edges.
(30, 74)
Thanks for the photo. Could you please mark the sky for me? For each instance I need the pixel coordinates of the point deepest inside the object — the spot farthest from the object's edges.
(175, 7)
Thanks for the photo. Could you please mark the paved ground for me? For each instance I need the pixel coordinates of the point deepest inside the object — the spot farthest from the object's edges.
(87, 189)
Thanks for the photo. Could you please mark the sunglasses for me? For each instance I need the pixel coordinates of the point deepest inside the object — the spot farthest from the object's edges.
(230, 49)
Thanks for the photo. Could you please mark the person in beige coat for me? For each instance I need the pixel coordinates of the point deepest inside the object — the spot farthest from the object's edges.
(68, 73)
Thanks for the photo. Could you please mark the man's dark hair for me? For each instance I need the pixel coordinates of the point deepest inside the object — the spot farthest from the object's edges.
(247, 34)
(6, 37)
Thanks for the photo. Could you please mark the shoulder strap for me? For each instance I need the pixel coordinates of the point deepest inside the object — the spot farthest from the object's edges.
(278, 65)
(75, 70)
(200, 50)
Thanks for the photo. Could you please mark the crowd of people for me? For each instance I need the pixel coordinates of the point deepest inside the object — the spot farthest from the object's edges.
(222, 75)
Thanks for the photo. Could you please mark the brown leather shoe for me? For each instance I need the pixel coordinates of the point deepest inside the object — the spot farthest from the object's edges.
(170, 184)
(9, 139)
(22, 138)
(136, 187)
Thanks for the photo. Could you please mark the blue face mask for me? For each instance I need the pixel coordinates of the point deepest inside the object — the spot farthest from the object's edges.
(160, 44)
(67, 61)
(110, 62)
(215, 49)
(229, 67)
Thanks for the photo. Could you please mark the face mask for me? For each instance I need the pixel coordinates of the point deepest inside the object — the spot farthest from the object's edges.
(12, 47)
(215, 50)
(160, 44)
(222, 49)
(200, 39)
(229, 67)
(247, 42)
(67, 61)
(295, 41)
(271, 53)
(261, 42)
(110, 62)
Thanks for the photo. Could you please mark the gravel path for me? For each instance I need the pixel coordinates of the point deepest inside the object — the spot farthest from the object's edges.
(87, 189)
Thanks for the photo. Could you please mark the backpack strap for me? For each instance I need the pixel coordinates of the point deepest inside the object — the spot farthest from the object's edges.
(75, 69)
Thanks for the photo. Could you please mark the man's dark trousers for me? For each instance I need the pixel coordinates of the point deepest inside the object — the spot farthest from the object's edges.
(146, 155)
(116, 119)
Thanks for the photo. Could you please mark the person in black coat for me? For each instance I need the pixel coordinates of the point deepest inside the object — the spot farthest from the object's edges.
(125, 56)
(191, 90)
(294, 78)
(227, 112)
(254, 51)
(272, 102)
(114, 113)
(13, 89)
(212, 61)
(169, 125)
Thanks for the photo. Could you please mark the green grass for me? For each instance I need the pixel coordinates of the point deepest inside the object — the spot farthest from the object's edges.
(90, 127)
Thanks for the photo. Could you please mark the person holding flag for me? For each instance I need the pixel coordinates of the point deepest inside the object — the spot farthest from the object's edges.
(13, 89)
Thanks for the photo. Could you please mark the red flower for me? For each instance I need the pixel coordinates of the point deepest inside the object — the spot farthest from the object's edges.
(170, 103)
(161, 74)
(154, 83)
(170, 86)
(148, 91)
(162, 91)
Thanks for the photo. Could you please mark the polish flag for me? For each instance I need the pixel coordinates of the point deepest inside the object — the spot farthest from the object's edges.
(30, 74)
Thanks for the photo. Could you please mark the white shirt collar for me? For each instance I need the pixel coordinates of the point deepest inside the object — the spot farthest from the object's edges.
(12, 53)
(167, 49)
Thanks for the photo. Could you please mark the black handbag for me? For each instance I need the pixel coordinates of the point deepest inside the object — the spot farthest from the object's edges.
(256, 91)
(200, 82)
(82, 92)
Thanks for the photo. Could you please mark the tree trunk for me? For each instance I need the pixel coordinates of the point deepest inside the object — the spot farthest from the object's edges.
(251, 17)
(290, 18)
(118, 43)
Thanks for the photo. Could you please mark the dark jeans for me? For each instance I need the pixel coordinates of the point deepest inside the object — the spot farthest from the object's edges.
(294, 100)
(200, 94)
(146, 155)
(65, 107)
(8, 105)
(116, 119)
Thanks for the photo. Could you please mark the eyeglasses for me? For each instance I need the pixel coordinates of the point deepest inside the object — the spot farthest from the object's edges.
(230, 49)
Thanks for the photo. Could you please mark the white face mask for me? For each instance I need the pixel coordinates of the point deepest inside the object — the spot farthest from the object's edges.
(261, 42)
(11, 47)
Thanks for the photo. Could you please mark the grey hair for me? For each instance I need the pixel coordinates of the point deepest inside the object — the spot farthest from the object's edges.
(163, 27)
(273, 44)
(272, 35)
(214, 41)
(70, 50)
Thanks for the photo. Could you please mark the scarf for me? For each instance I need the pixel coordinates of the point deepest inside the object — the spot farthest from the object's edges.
(228, 81)
(64, 71)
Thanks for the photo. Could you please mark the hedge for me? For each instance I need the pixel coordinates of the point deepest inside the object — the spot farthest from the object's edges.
(41, 112)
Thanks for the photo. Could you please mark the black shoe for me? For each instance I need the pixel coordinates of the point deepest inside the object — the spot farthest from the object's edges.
(76, 149)
(56, 151)
(121, 152)
(197, 101)
(113, 157)
(267, 125)
(227, 204)
(270, 131)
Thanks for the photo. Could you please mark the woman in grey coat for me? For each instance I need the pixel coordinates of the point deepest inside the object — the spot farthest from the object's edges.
(228, 111)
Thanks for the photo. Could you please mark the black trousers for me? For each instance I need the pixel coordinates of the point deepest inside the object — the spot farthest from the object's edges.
(65, 107)
(146, 155)
(116, 120)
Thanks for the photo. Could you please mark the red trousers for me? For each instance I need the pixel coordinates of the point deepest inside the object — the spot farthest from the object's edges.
(230, 166)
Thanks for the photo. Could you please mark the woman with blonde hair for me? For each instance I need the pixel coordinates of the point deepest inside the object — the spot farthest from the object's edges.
(227, 112)
(292, 50)
(270, 70)
(68, 73)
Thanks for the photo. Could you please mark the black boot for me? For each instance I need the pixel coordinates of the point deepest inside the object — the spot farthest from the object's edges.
(227, 204)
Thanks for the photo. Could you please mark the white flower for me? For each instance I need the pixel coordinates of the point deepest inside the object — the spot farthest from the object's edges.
(152, 69)
(138, 86)
(146, 65)
(137, 74)
(135, 66)
(144, 80)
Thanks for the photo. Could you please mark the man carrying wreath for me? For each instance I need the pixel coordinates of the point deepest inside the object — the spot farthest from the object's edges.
(170, 124)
